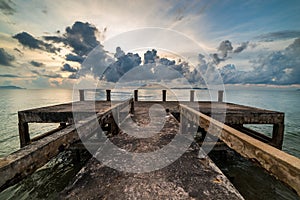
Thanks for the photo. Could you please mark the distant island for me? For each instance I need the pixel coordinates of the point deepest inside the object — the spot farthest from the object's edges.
(195, 88)
(11, 87)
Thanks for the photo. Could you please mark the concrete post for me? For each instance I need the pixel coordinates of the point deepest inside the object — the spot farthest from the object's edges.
(131, 111)
(108, 97)
(135, 95)
(220, 95)
(81, 95)
(164, 95)
(192, 95)
(23, 131)
(278, 135)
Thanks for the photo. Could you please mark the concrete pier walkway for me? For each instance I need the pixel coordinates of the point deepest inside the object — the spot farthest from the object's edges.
(190, 177)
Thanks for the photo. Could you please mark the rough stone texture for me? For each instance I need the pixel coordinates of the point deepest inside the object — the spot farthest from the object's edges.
(282, 165)
(189, 177)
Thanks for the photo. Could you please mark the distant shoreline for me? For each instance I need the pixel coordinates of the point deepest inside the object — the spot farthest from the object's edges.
(195, 88)
(11, 87)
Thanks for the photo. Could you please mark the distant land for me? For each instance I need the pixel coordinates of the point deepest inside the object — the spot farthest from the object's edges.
(195, 88)
(11, 87)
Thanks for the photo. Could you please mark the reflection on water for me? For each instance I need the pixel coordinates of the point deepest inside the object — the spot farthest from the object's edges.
(12, 101)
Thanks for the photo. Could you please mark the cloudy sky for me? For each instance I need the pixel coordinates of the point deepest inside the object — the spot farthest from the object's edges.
(48, 43)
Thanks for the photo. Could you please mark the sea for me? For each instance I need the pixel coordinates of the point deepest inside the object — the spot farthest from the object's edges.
(285, 100)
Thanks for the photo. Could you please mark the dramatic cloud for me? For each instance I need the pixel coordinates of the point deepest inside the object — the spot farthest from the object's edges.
(73, 76)
(119, 53)
(167, 62)
(6, 58)
(241, 48)
(279, 35)
(150, 56)
(216, 58)
(279, 67)
(81, 37)
(36, 64)
(123, 64)
(55, 39)
(225, 47)
(6, 7)
(74, 58)
(68, 68)
(29, 41)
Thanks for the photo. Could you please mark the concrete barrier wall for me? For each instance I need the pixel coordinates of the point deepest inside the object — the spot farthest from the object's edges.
(280, 164)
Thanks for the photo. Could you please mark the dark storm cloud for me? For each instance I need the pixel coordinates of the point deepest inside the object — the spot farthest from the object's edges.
(6, 7)
(241, 48)
(119, 53)
(225, 47)
(167, 62)
(9, 76)
(36, 64)
(6, 58)
(279, 35)
(55, 39)
(81, 37)
(150, 56)
(123, 64)
(74, 58)
(216, 58)
(73, 76)
(68, 68)
(29, 41)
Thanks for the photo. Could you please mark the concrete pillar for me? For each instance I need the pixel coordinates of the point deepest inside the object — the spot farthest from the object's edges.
(135, 95)
(277, 135)
(192, 95)
(164, 95)
(220, 95)
(81, 95)
(108, 97)
(131, 111)
(23, 132)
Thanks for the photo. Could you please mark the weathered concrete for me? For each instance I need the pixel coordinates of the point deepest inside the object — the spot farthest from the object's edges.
(228, 113)
(282, 165)
(29, 158)
(63, 113)
(189, 177)
(26, 160)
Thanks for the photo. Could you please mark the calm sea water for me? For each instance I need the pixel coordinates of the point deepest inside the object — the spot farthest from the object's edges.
(47, 181)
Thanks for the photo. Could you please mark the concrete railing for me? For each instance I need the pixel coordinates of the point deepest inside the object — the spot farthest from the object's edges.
(282, 165)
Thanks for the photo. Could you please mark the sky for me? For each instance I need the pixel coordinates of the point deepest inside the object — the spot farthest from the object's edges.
(57, 43)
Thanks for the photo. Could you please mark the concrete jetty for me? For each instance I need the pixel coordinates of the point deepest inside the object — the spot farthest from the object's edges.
(189, 177)
(192, 176)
